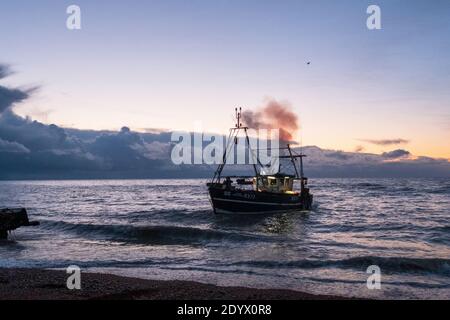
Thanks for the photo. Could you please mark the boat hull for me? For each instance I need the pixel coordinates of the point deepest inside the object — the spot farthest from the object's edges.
(252, 202)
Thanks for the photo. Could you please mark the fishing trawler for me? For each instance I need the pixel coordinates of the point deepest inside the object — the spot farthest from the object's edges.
(264, 192)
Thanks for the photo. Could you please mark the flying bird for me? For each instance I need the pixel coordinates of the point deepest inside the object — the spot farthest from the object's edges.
(308, 63)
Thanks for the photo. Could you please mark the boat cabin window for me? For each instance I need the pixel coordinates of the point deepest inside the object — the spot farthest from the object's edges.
(274, 184)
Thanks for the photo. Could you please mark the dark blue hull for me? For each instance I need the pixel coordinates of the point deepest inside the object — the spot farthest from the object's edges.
(249, 201)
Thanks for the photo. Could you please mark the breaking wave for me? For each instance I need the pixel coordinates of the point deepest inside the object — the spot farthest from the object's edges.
(387, 264)
(154, 234)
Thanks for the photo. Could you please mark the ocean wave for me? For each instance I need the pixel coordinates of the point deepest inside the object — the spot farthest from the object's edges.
(440, 190)
(153, 234)
(386, 264)
(62, 264)
(369, 185)
(439, 230)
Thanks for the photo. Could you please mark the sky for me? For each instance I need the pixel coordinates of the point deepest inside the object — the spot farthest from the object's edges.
(175, 64)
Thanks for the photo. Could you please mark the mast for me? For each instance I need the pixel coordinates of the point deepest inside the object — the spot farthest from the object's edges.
(300, 176)
(238, 118)
(234, 132)
(292, 159)
(251, 152)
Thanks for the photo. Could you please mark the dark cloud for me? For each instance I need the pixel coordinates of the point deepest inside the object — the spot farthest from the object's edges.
(53, 150)
(154, 130)
(386, 142)
(5, 71)
(35, 135)
(359, 149)
(7, 146)
(429, 160)
(10, 96)
(395, 154)
(338, 155)
(318, 164)
(33, 150)
(127, 149)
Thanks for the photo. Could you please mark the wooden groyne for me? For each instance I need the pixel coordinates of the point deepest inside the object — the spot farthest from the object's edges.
(11, 219)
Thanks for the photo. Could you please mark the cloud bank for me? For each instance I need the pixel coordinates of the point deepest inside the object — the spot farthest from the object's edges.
(33, 150)
(396, 154)
(386, 142)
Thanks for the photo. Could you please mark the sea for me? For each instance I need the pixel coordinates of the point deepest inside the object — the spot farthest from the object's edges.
(367, 238)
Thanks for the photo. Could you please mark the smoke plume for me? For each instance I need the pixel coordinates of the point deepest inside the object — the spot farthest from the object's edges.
(274, 115)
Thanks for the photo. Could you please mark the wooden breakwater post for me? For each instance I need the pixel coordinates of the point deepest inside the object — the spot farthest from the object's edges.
(11, 219)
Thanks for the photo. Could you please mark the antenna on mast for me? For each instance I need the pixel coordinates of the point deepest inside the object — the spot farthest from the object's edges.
(238, 118)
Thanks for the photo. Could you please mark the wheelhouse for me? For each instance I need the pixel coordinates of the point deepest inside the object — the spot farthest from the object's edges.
(275, 184)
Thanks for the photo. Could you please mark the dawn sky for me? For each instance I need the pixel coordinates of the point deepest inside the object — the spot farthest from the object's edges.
(171, 64)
